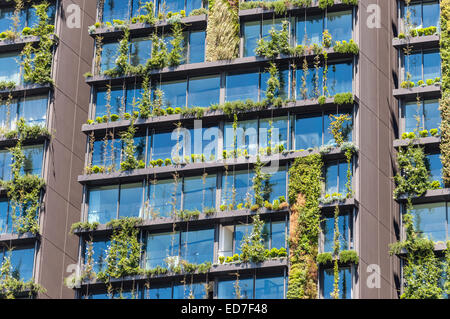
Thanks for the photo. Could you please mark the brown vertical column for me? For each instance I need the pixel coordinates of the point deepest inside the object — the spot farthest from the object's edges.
(65, 157)
(377, 125)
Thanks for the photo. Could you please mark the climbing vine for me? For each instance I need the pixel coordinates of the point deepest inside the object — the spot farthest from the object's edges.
(124, 252)
(37, 61)
(23, 191)
(305, 187)
(445, 100)
(11, 287)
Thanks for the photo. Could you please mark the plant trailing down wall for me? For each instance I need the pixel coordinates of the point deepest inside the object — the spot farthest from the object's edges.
(23, 190)
(422, 270)
(124, 252)
(12, 287)
(305, 186)
(445, 100)
(222, 33)
(37, 61)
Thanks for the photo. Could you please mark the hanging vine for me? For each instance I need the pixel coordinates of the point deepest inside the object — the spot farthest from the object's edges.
(23, 191)
(37, 61)
(12, 287)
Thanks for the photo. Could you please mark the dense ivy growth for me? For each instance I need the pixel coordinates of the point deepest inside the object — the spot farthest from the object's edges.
(305, 187)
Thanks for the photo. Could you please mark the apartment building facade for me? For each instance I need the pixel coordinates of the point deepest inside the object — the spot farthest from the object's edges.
(196, 118)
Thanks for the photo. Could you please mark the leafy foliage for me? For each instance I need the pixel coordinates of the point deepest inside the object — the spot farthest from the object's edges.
(305, 186)
(222, 33)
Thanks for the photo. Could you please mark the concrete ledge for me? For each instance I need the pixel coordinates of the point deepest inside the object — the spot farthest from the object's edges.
(310, 105)
(426, 91)
(431, 196)
(168, 222)
(426, 141)
(216, 270)
(192, 168)
(426, 41)
(138, 28)
(18, 238)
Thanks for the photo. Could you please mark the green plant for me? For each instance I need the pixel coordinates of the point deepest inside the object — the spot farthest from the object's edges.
(124, 252)
(343, 98)
(130, 162)
(222, 33)
(305, 187)
(345, 47)
(37, 61)
(324, 258)
(252, 246)
(348, 256)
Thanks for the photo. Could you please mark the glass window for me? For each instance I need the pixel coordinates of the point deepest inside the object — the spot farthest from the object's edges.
(197, 246)
(269, 288)
(115, 105)
(340, 78)
(174, 93)
(33, 156)
(423, 13)
(345, 283)
(103, 204)
(428, 113)
(161, 246)
(6, 13)
(140, 51)
(431, 65)
(431, 14)
(199, 193)
(164, 197)
(108, 56)
(209, 138)
(189, 291)
(10, 70)
(227, 288)
(115, 10)
(344, 225)
(278, 238)
(237, 188)
(5, 218)
(170, 5)
(434, 166)
(347, 128)
(242, 86)
(273, 131)
(251, 37)
(431, 221)
(130, 200)
(134, 93)
(99, 252)
(246, 137)
(204, 91)
(275, 186)
(313, 82)
(34, 110)
(8, 115)
(193, 4)
(283, 92)
(308, 132)
(107, 153)
(163, 145)
(336, 178)
(310, 30)
(339, 24)
(197, 46)
(22, 262)
(155, 292)
(5, 165)
(422, 66)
